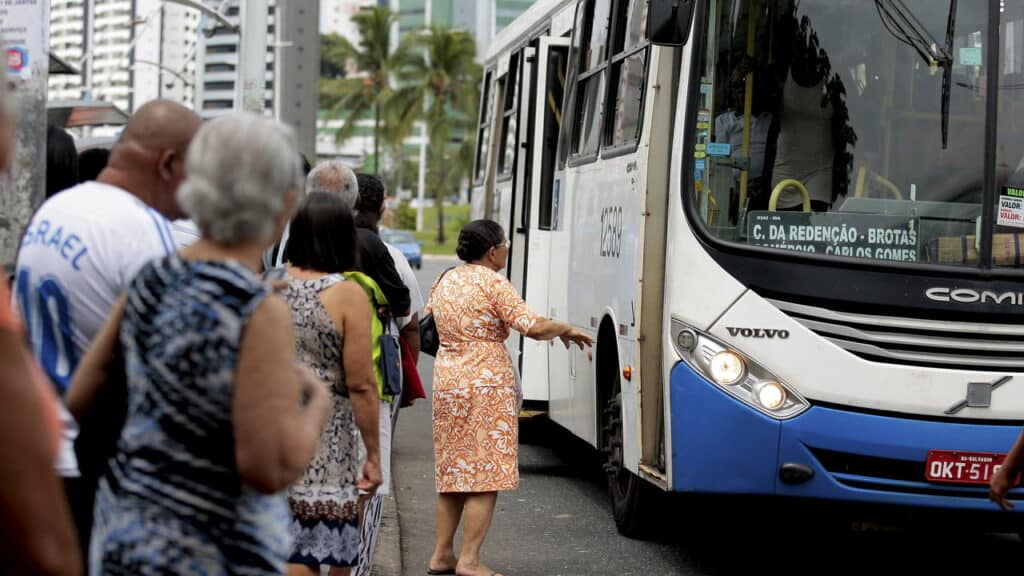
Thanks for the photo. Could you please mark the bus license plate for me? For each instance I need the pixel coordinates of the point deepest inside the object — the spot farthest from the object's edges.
(962, 467)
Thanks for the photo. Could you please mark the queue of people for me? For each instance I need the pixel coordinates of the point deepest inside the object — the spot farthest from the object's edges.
(196, 348)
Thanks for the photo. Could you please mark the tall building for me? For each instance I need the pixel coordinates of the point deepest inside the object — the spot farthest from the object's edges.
(505, 11)
(217, 59)
(127, 50)
(483, 18)
(292, 67)
(412, 14)
(180, 35)
(67, 41)
(336, 16)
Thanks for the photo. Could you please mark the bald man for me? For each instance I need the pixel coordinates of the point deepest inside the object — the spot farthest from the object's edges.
(84, 246)
(82, 249)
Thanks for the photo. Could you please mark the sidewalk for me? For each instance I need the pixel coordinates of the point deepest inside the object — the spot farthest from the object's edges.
(388, 558)
(439, 257)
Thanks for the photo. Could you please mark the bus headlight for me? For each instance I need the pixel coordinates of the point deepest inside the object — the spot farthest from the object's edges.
(727, 367)
(771, 395)
(736, 373)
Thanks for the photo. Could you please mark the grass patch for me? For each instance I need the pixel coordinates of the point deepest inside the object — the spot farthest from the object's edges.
(455, 217)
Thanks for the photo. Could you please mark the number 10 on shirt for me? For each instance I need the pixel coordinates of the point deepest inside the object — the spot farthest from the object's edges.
(47, 315)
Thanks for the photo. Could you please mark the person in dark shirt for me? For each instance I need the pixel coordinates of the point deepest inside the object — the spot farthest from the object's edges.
(376, 261)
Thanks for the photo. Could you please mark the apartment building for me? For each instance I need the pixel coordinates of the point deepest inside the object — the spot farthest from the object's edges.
(128, 51)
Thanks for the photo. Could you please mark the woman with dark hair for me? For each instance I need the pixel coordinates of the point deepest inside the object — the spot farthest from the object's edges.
(61, 161)
(476, 399)
(332, 337)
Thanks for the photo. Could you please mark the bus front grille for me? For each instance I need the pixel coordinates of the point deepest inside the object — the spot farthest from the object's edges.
(916, 341)
(892, 475)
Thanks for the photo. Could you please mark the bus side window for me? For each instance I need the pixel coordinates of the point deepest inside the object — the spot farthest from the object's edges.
(557, 64)
(567, 136)
(593, 61)
(628, 73)
(509, 115)
(484, 127)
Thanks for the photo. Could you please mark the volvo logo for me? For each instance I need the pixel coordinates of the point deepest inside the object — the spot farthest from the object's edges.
(758, 333)
(979, 395)
(968, 296)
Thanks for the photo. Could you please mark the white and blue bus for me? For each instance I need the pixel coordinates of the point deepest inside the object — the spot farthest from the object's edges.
(771, 216)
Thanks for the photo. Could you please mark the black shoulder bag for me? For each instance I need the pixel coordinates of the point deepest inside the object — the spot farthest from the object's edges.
(430, 340)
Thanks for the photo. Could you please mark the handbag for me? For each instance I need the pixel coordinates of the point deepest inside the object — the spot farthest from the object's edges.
(412, 385)
(390, 360)
(430, 340)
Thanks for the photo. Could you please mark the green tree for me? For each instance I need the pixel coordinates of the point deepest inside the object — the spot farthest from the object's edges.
(332, 61)
(443, 78)
(366, 92)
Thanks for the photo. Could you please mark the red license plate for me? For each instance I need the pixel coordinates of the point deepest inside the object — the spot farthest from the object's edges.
(962, 467)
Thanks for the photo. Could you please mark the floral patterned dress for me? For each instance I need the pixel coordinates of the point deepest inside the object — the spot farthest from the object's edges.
(475, 416)
(324, 502)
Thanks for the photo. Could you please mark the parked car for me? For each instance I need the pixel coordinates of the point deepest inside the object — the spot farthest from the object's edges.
(406, 243)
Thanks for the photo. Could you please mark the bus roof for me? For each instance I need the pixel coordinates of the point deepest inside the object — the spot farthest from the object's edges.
(535, 16)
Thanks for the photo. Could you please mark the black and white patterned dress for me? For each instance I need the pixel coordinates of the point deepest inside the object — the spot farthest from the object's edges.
(173, 501)
(324, 502)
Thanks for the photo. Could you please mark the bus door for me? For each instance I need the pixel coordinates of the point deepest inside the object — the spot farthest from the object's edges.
(513, 167)
(534, 197)
(520, 151)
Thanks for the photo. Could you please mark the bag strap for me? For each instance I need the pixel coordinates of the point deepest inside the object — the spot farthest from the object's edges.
(432, 288)
(443, 274)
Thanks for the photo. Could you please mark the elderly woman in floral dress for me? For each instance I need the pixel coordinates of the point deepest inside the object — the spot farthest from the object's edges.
(475, 404)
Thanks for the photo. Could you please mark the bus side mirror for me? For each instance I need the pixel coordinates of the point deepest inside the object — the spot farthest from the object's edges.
(668, 22)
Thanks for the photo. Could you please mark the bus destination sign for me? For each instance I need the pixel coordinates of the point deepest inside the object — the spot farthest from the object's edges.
(892, 238)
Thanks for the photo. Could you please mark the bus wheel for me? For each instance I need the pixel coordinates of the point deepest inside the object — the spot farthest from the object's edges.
(630, 495)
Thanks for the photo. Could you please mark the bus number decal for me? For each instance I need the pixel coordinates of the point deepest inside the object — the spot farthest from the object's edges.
(611, 232)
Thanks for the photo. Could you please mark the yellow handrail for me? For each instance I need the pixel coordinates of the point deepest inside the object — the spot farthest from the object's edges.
(773, 202)
(748, 100)
(885, 182)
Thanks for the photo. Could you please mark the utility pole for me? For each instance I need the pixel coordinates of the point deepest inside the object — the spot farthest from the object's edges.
(297, 70)
(26, 46)
(252, 70)
(424, 138)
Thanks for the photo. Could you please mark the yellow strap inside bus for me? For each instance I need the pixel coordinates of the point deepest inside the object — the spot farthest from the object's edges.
(748, 102)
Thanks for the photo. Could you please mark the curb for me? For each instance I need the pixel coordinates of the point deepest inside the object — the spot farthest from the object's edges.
(387, 560)
(440, 257)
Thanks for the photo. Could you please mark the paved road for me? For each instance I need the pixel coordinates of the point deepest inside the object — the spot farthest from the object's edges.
(558, 522)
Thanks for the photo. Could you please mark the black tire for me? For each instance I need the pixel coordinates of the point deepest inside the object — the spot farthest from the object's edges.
(633, 499)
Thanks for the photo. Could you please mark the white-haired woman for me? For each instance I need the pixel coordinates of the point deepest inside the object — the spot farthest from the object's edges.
(220, 418)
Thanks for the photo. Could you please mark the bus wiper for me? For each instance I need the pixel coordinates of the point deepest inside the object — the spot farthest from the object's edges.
(947, 71)
(902, 24)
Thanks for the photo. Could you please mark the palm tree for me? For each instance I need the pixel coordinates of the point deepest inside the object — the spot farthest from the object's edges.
(444, 78)
(400, 114)
(368, 90)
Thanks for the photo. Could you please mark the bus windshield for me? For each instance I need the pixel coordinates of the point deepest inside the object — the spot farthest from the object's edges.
(856, 128)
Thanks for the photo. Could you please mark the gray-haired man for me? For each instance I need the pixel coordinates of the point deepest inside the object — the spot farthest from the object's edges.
(375, 260)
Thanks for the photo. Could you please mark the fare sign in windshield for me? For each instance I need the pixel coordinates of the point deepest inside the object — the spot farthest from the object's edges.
(877, 237)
